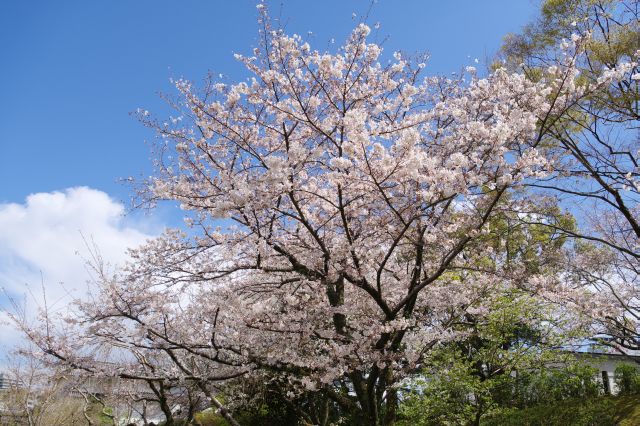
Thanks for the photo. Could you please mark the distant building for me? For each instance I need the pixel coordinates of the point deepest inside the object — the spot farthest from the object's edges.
(6, 382)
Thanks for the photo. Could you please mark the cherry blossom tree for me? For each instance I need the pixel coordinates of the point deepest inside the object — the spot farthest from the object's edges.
(336, 205)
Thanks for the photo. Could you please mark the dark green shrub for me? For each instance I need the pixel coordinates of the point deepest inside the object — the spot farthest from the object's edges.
(556, 384)
(627, 379)
(583, 412)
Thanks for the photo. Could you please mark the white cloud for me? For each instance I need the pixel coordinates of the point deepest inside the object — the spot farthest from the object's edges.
(42, 243)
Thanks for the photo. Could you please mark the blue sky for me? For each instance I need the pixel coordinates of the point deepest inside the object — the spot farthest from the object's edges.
(72, 71)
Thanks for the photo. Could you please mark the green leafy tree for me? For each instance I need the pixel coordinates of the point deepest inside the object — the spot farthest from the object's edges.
(508, 360)
(597, 171)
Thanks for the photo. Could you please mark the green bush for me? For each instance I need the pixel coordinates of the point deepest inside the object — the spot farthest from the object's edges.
(456, 396)
(556, 384)
(627, 379)
(583, 412)
(209, 418)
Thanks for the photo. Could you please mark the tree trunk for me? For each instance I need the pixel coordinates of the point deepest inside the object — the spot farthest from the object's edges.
(391, 412)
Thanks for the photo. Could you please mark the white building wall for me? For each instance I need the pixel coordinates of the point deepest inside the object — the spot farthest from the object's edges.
(609, 366)
(607, 363)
